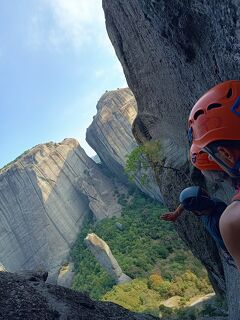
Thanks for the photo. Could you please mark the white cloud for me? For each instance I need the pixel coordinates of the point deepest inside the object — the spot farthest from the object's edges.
(72, 22)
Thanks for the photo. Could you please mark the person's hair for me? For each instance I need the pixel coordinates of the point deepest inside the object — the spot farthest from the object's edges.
(233, 144)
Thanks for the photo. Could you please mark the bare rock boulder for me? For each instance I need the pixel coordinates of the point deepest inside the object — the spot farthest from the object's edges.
(104, 256)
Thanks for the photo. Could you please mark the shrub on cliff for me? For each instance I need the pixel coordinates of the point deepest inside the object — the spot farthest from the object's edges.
(146, 295)
(135, 296)
(143, 157)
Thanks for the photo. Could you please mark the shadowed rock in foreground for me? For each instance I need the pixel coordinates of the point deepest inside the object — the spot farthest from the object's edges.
(29, 298)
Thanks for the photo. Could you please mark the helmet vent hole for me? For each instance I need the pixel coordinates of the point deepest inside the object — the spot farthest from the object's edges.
(229, 94)
(197, 114)
(214, 105)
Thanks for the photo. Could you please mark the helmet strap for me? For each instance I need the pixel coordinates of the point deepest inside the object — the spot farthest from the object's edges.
(235, 107)
(233, 171)
(236, 169)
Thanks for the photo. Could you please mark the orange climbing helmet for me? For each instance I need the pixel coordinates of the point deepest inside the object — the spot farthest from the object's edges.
(201, 161)
(216, 115)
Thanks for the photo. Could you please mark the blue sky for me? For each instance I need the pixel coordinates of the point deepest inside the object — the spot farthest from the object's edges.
(55, 63)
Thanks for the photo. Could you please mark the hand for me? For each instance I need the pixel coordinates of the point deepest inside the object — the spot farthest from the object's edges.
(170, 216)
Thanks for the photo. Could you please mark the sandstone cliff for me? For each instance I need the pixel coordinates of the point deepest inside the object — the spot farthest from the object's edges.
(110, 135)
(171, 53)
(44, 197)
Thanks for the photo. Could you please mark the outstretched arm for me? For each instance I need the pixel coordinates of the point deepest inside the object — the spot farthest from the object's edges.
(172, 216)
(229, 226)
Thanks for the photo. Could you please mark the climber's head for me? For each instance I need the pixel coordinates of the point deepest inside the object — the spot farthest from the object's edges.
(214, 125)
(197, 200)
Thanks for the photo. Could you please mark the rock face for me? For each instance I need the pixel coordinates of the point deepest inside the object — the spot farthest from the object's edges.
(99, 189)
(104, 256)
(2, 268)
(110, 135)
(171, 54)
(44, 197)
(28, 299)
(66, 275)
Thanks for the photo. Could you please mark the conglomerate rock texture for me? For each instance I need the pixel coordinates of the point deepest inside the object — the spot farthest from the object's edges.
(110, 135)
(171, 53)
(44, 197)
(32, 299)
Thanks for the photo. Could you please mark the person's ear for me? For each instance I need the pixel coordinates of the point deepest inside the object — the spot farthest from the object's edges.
(226, 154)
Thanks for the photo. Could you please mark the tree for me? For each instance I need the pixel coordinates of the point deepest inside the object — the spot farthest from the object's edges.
(142, 158)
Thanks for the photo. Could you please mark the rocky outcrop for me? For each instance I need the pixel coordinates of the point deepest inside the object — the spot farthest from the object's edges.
(171, 53)
(2, 268)
(104, 256)
(110, 132)
(32, 299)
(44, 197)
(99, 190)
(110, 135)
(65, 276)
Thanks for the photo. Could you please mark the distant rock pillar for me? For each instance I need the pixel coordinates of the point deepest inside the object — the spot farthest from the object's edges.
(104, 256)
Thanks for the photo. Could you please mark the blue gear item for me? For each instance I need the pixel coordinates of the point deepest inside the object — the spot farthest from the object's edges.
(195, 199)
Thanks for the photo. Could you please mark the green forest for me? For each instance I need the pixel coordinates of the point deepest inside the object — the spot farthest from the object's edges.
(148, 250)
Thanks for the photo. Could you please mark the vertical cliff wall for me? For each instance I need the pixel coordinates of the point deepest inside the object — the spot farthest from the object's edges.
(44, 197)
(110, 135)
(171, 53)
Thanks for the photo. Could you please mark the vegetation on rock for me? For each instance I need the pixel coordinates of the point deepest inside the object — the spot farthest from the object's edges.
(145, 156)
(148, 250)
